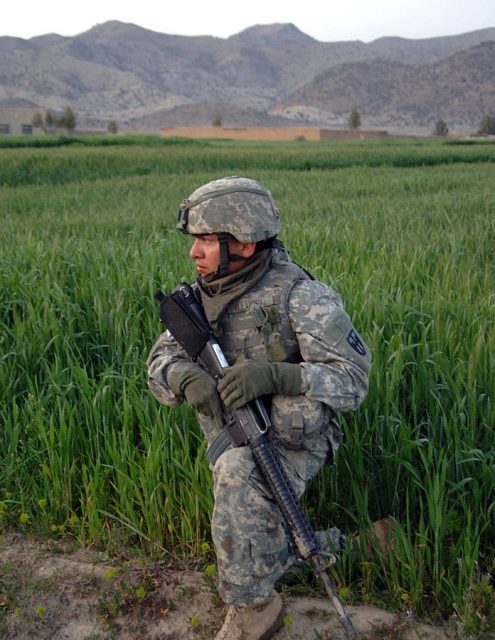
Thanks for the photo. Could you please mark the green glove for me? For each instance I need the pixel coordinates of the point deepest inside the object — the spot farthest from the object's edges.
(198, 388)
(250, 379)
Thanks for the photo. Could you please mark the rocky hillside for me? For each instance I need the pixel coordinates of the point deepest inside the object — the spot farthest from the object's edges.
(271, 74)
(459, 89)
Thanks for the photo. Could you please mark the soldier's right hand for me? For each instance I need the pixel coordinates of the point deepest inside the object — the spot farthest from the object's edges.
(197, 387)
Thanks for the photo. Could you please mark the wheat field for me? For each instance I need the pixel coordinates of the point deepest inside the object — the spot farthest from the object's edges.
(403, 229)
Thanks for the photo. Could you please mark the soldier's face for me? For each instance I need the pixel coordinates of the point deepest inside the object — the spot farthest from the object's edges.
(205, 252)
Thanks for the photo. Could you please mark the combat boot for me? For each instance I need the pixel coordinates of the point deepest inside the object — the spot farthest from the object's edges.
(384, 531)
(256, 622)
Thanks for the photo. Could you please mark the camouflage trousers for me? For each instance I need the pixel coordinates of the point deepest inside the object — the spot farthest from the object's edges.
(247, 527)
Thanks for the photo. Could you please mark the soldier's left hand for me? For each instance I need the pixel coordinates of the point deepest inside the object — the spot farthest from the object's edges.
(252, 378)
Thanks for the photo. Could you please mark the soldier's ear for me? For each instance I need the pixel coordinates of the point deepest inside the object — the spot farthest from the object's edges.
(248, 249)
(243, 249)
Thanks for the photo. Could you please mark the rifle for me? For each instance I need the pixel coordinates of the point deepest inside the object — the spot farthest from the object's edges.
(184, 317)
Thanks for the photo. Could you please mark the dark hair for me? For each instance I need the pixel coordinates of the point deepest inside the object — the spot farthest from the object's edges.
(270, 243)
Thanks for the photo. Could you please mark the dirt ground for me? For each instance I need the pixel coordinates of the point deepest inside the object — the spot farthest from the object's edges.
(55, 590)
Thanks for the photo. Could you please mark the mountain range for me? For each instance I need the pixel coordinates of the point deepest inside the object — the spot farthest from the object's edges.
(265, 75)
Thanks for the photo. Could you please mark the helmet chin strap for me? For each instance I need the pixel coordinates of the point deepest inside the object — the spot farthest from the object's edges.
(225, 256)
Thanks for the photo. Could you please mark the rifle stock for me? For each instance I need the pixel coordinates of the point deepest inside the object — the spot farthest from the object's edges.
(184, 317)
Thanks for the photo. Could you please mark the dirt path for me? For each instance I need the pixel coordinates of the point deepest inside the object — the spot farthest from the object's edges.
(50, 591)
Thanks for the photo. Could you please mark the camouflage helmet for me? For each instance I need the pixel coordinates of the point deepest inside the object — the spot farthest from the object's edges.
(235, 205)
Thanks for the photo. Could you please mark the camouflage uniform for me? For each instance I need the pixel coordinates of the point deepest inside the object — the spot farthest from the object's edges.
(284, 316)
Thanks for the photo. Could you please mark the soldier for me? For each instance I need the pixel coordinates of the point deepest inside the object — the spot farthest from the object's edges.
(290, 342)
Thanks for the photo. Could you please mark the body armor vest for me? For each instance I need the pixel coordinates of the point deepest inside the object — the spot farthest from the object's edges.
(257, 326)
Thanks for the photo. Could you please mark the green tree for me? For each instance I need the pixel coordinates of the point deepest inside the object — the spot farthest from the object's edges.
(112, 127)
(441, 129)
(68, 119)
(354, 119)
(37, 120)
(487, 125)
(49, 119)
(217, 120)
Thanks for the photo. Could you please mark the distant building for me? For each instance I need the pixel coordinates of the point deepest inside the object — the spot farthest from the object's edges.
(18, 121)
(271, 133)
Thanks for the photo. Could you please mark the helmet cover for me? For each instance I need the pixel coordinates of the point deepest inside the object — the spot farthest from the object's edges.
(239, 206)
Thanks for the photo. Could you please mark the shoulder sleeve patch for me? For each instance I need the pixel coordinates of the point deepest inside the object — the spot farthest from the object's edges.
(343, 337)
(356, 343)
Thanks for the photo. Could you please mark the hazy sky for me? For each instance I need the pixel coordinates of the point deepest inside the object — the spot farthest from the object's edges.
(325, 20)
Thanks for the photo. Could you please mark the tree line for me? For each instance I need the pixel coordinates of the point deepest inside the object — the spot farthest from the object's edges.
(67, 120)
(487, 126)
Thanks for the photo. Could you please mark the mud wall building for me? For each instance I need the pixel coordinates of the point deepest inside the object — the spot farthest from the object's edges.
(18, 121)
(271, 133)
